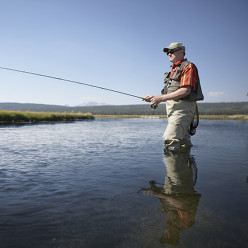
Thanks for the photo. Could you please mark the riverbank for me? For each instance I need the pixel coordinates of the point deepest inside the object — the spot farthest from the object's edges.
(225, 117)
(35, 117)
(207, 117)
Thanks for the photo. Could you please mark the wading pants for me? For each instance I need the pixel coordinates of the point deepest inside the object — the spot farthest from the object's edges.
(180, 113)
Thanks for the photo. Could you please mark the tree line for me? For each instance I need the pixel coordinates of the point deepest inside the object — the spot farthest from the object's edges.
(224, 108)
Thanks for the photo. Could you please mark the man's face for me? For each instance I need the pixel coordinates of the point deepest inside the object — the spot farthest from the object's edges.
(175, 55)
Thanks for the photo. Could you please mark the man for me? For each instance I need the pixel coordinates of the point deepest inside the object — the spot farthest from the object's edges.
(181, 91)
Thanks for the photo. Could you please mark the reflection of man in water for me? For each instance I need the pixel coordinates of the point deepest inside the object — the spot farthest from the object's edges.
(178, 198)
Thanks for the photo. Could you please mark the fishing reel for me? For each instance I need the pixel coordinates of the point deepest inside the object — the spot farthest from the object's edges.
(154, 106)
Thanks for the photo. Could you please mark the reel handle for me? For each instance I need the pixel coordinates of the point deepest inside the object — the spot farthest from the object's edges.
(154, 106)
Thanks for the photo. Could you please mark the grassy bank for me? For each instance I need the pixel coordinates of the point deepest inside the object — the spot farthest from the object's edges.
(207, 117)
(225, 117)
(33, 117)
(129, 116)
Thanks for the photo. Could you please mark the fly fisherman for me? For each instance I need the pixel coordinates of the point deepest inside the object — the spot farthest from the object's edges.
(181, 91)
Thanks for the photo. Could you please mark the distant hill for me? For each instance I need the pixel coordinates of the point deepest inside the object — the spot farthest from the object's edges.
(225, 108)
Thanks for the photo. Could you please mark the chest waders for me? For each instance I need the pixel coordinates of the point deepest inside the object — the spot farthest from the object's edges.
(172, 83)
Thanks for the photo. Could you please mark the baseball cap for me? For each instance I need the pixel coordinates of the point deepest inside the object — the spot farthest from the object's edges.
(174, 45)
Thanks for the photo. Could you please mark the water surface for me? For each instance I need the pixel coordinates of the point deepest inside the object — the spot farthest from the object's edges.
(108, 183)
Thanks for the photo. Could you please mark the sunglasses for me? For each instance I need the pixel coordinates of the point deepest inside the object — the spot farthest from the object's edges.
(172, 51)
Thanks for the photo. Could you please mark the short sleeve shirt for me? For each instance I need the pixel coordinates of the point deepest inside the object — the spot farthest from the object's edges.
(189, 75)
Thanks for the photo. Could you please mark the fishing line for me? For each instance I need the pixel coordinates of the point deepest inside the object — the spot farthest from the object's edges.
(70, 81)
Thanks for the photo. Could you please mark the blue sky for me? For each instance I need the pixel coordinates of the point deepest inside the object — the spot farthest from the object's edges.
(118, 44)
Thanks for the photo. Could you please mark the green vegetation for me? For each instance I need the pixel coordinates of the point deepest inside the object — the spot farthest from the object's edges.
(225, 117)
(34, 117)
(129, 116)
(224, 108)
(207, 117)
(7, 117)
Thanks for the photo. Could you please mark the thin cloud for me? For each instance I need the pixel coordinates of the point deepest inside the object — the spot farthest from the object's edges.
(216, 93)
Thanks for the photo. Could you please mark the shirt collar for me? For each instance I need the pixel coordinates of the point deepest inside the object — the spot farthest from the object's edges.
(177, 63)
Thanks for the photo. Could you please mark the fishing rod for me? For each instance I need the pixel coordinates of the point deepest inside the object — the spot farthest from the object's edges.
(75, 82)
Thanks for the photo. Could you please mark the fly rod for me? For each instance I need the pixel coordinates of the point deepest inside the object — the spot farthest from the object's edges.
(67, 80)
(75, 82)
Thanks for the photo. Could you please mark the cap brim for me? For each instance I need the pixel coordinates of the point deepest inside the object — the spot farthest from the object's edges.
(166, 49)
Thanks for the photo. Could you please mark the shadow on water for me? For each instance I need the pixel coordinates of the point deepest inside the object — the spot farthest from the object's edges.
(177, 195)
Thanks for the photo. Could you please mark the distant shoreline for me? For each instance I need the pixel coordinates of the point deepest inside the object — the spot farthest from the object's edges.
(22, 117)
(207, 117)
(13, 117)
(208, 109)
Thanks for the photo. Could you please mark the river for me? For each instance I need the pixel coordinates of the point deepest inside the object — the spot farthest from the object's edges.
(108, 183)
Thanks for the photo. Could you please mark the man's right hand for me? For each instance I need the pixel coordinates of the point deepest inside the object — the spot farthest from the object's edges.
(147, 98)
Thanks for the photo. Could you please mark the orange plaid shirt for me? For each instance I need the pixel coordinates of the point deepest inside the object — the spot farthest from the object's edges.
(189, 75)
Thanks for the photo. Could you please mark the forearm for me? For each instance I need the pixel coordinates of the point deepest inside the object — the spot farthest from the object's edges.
(176, 95)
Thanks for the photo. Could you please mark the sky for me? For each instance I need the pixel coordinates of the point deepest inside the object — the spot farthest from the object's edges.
(118, 44)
